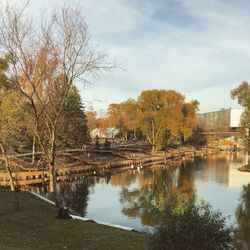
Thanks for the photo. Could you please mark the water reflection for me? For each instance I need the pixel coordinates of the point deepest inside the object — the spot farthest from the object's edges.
(154, 186)
(75, 195)
(141, 202)
(133, 198)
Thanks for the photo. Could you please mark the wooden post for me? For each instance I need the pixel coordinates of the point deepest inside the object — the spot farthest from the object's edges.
(34, 150)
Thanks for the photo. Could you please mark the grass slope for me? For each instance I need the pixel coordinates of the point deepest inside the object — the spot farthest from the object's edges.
(35, 226)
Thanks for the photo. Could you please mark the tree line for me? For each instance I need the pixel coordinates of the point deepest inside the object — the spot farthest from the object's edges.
(162, 117)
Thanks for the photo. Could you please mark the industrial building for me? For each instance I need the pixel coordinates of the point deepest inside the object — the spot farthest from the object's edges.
(222, 126)
(224, 119)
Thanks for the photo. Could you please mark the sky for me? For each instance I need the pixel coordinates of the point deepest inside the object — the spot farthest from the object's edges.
(198, 47)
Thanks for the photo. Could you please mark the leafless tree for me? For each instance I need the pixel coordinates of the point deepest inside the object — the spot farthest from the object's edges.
(46, 60)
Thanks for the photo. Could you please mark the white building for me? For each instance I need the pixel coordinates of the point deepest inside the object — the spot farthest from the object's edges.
(224, 118)
(95, 133)
(109, 133)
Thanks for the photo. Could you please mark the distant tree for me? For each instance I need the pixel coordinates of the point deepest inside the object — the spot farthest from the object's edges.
(100, 121)
(242, 94)
(91, 119)
(189, 111)
(166, 139)
(73, 129)
(123, 116)
(160, 115)
(157, 108)
(165, 109)
(198, 137)
(191, 225)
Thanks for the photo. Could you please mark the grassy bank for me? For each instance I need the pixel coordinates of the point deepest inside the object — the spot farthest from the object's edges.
(245, 168)
(35, 226)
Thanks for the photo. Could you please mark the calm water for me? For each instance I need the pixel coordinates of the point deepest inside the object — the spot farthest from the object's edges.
(130, 198)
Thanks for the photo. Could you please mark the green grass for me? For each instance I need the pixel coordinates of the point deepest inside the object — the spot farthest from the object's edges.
(35, 226)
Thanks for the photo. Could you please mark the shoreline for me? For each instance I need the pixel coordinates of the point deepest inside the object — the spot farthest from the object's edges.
(138, 161)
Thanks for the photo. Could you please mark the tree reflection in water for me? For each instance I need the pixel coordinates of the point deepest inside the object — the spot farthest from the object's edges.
(153, 190)
(75, 194)
(243, 217)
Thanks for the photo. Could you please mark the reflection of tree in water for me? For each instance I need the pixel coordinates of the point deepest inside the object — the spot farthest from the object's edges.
(139, 204)
(243, 216)
(74, 195)
(154, 188)
(185, 183)
(122, 179)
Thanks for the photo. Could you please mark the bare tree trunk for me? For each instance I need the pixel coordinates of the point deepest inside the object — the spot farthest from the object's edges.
(153, 136)
(125, 135)
(135, 137)
(52, 178)
(6, 159)
(52, 162)
(12, 185)
(34, 150)
(52, 167)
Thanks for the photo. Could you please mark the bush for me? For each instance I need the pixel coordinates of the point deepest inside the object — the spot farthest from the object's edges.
(198, 137)
(194, 226)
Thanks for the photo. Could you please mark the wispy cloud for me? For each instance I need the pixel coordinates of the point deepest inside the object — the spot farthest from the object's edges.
(194, 46)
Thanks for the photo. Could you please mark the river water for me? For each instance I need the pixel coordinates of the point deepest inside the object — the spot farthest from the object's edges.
(131, 197)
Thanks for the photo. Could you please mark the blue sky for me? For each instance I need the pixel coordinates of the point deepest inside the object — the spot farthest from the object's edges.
(198, 47)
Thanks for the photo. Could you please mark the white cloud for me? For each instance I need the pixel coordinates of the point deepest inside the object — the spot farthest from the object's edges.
(112, 16)
(214, 52)
(209, 53)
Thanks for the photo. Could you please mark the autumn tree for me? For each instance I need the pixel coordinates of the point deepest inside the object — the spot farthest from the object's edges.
(91, 119)
(198, 137)
(189, 111)
(46, 60)
(242, 95)
(161, 115)
(12, 121)
(165, 111)
(11, 115)
(123, 116)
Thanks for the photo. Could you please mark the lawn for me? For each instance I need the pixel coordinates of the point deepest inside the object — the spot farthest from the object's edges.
(35, 226)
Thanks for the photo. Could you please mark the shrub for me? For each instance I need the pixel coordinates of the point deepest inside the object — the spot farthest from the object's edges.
(194, 226)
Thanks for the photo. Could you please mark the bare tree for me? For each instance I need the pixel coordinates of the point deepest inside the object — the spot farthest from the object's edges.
(46, 60)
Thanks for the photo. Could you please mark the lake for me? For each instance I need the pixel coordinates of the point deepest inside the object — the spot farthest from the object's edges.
(132, 197)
